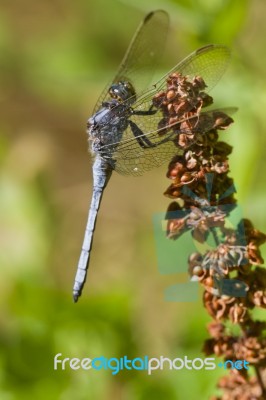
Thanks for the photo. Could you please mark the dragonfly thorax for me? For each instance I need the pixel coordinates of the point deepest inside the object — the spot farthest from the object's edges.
(123, 91)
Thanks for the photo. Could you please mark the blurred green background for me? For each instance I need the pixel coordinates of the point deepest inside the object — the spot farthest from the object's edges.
(55, 58)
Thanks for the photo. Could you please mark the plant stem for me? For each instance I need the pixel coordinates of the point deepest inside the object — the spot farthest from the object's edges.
(215, 236)
(260, 381)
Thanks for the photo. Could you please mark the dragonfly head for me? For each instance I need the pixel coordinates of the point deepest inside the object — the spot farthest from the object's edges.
(123, 91)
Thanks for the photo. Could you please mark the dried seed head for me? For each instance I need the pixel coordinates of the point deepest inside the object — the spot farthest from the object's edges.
(170, 95)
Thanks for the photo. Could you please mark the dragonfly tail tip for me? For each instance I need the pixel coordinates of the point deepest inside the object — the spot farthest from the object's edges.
(75, 297)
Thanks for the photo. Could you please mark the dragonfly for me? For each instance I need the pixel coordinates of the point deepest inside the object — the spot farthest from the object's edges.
(123, 129)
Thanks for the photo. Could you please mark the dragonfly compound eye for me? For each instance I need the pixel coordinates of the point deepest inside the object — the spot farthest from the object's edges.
(123, 91)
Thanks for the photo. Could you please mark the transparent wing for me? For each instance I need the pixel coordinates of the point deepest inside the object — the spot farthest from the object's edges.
(143, 54)
(209, 62)
(127, 156)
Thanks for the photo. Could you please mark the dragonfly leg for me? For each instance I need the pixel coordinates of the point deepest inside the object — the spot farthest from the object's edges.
(147, 112)
(150, 111)
(142, 140)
